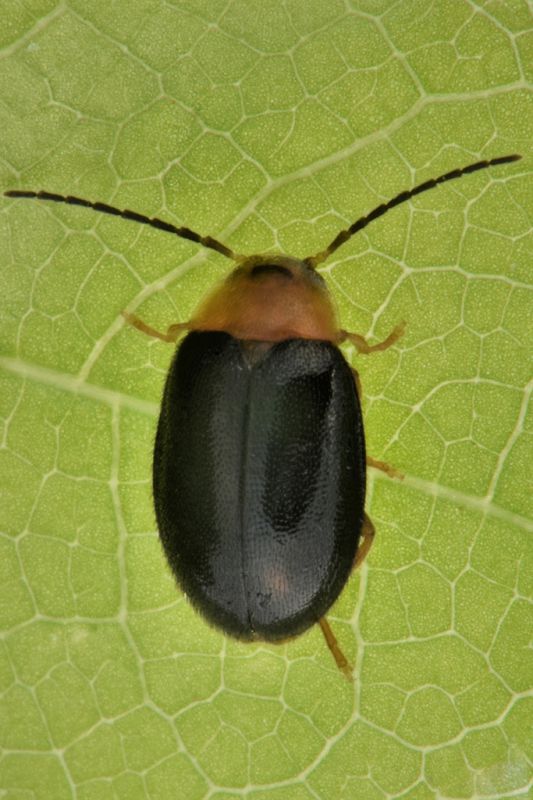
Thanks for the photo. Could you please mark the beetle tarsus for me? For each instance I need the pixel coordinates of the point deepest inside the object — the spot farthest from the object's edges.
(362, 345)
(340, 659)
(172, 334)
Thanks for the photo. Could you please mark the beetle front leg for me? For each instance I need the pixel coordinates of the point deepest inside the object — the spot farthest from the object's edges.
(362, 345)
(172, 334)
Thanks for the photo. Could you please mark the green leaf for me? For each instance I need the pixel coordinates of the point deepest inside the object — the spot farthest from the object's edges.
(270, 125)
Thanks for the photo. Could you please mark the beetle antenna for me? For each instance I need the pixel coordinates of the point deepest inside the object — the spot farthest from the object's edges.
(343, 236)
(153, 222)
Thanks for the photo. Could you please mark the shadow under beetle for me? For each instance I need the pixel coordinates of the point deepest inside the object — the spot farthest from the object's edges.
(259, 467)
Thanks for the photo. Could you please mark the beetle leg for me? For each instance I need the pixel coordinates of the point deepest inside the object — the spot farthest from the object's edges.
(384, 467)
(367, 533)
(340, 659)
(373, 462)
(171, 335)
(362, 345)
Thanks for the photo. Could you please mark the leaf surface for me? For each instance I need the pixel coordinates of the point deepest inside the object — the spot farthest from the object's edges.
(270, 126)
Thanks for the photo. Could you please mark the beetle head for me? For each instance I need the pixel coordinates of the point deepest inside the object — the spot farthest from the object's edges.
(270, 298)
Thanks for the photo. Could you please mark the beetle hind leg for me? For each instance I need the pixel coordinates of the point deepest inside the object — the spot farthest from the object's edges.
(367, 537)
(340, 659)
(172, 333)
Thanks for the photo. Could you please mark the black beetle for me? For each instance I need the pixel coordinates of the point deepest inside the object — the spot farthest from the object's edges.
(259, 461)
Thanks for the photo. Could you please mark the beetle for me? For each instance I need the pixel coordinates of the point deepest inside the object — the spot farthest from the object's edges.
(259, 469)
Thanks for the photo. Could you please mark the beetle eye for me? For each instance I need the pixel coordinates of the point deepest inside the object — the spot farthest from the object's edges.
(270, 269)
